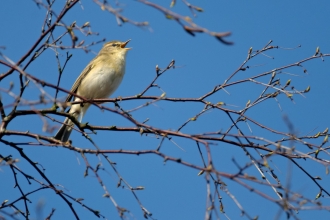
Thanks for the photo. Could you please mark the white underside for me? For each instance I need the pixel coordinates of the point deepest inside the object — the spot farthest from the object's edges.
(99, 83)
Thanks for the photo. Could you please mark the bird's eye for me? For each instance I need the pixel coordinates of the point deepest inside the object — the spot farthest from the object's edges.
(115, 45)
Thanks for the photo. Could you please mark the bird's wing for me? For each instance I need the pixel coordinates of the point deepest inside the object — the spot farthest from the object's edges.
(78, 81)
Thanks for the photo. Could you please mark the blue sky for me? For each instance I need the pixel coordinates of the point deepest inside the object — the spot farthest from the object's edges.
(173, 191)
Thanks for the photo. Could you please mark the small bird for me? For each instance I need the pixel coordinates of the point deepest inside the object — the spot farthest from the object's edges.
(100, 78)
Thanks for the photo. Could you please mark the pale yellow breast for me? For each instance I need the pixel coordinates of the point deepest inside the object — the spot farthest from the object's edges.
(104, 78)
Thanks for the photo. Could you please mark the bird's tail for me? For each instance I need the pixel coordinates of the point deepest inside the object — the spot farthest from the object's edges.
(64, 132)
(76, 111)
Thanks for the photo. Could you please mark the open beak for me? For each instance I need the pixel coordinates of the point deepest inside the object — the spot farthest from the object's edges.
(123, 45)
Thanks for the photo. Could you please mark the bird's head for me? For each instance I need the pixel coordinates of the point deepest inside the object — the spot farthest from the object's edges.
(116, 47)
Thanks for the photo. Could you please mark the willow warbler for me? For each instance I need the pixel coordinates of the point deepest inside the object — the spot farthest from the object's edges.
(100, 78)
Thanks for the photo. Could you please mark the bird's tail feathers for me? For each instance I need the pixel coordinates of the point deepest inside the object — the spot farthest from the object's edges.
(64, 132)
